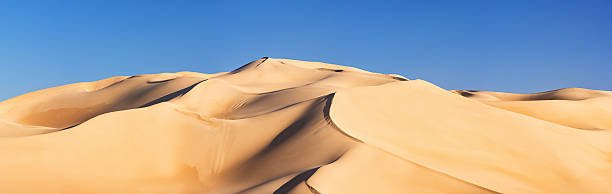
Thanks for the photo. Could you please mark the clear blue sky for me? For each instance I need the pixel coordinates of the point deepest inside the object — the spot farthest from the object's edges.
(500, 45)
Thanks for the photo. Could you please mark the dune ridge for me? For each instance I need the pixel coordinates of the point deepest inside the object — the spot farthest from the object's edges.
(288, 126)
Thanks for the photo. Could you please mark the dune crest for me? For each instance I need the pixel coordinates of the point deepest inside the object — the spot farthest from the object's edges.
(288, 126)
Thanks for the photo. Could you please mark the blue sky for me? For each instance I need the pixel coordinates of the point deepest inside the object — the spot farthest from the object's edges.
(499, 45)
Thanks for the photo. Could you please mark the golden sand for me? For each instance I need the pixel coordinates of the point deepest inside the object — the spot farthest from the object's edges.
(287, 126)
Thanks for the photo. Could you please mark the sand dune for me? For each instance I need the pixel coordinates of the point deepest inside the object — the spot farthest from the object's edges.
(287, 126)
(573, 107)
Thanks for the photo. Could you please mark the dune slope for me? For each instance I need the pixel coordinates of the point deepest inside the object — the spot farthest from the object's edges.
(287, 126)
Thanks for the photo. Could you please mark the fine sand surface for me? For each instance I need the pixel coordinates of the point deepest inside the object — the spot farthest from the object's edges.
(287, 126)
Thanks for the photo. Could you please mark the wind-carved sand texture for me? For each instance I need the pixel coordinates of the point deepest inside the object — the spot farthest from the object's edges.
(286, 126)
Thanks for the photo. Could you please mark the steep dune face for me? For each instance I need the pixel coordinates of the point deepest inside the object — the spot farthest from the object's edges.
(286, 126)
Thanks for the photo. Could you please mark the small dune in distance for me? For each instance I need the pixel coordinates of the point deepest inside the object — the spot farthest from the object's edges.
(288, 126)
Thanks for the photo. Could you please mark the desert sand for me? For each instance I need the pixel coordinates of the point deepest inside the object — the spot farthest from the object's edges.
(287, 126)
